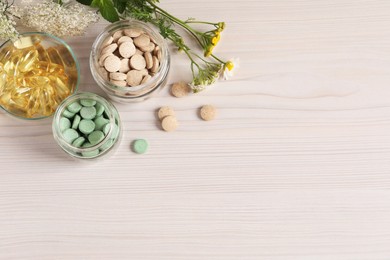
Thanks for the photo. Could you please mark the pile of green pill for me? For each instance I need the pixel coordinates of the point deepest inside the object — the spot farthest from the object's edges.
(84, 123)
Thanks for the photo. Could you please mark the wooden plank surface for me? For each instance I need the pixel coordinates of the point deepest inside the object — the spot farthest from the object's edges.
(296, 166)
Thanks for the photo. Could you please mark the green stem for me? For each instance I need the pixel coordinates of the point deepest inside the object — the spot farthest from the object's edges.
(200, 22)
(177, 21)
(216, 58)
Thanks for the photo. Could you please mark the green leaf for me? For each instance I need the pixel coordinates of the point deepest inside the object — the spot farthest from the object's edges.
(107, 9)
(120, 5)
(85, 2)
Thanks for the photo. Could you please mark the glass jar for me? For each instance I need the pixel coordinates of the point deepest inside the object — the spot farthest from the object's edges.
(126, 93)
(37, 72)
(109, 124)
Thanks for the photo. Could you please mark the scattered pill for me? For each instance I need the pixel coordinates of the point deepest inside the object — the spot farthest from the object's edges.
(208, 112)
(180, 89)
(140, 146)
(165, 111)
(169, 123)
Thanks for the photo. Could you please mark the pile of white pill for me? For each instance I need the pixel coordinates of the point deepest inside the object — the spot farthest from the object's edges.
(129, 57)
(167, 118)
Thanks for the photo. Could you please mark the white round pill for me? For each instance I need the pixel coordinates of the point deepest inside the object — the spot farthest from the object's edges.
(137, 62)
(109, 49)
(112, 63)
(169, 123)
(125, 66)
(133, 32)
(142, 40)
(124, 39)
(118, 76)
(148, 59)
(134, 78)
(165, 111)
(119, 83)
(127, 49)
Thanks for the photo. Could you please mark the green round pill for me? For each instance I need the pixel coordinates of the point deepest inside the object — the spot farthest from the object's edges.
(89, 154)
(64, 123)
(100, 122)
(76, 121)
(86, 126)
(115, 130)
(106, 145)
(79, 141)
(74, 107)
(87, 102)
(70, 135)
(140, 146)
(88, 112)
(68, 114)
(99, 109)
(95, 137)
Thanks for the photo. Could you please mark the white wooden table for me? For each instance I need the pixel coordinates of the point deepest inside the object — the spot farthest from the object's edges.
(296, 166)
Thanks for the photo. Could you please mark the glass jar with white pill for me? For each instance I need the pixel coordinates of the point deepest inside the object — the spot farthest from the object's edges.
(87, 126)
(130, 61)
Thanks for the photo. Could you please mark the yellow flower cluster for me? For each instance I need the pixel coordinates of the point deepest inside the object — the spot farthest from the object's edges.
(212, 38)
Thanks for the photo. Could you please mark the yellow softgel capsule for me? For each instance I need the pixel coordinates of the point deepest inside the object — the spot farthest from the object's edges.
(28, 60)
(55, 56)
(42, 53)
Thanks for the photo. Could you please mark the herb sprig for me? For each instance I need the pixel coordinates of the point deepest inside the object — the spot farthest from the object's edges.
(206, 68)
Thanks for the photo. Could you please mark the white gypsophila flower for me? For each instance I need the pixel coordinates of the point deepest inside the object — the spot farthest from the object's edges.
(7, 23)
(60, 20)
(230, 68)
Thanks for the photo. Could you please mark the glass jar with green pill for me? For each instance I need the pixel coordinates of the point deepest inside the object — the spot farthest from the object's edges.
(87, 126)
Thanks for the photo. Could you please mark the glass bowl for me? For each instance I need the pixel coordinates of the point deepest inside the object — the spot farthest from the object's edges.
(127, 93)
(37, 72)
(69, 118)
